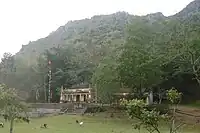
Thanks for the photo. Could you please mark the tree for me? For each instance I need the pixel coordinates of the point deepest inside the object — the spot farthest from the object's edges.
(140, 64)
(174, 98)
(150, 118)
(105, 80)
(11, 105)
(184, 46)
(66, 68)
(8, 69)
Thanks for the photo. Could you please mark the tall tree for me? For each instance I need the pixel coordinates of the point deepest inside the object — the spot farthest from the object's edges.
(8, 69)
(11, 105)
(66, 69)
(184, 46)
(141, 59)
(105, 79)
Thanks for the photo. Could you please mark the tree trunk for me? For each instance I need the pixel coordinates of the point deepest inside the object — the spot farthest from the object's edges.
(172, 128)
(45, 95)
(151, 97)
(11, 125)
(160, 99)
(198, 80)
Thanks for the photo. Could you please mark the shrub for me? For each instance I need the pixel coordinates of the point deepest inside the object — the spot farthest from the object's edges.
(162, 108)
(149, 120)
(95, 109)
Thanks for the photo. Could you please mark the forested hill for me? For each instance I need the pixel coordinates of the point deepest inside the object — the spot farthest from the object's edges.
(97, 32)
(97, 35)
(94, 32)
(190, 9)
(111, 50)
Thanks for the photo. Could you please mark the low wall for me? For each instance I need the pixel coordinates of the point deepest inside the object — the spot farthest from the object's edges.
(63, 105)
(57, 105)
(48, 109)
(41, 112)
(51, 105)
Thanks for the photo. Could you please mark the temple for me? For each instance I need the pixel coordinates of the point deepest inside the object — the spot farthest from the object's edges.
(81, 93)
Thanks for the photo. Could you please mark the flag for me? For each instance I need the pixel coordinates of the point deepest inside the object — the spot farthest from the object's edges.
(49, 62)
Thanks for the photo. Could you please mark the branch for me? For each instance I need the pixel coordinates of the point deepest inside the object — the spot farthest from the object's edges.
(177, 127)
(196, 60)
(150, 61)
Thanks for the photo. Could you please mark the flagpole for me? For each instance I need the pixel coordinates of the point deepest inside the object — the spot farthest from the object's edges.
(49, 90)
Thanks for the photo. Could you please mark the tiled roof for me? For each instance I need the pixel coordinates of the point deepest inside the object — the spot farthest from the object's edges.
(78, 86)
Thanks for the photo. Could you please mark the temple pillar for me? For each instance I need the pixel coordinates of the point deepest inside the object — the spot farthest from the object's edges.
(67, 98)
(80, 97)
(72, 97)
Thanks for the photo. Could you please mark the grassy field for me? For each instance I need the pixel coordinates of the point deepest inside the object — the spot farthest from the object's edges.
(67, 124)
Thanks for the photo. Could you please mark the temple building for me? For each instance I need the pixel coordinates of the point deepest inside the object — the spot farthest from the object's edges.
(81, 93)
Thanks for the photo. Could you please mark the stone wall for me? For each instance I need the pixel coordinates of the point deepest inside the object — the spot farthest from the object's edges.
(59, 105)
(49, 109)
(51, 105)
(42, 112)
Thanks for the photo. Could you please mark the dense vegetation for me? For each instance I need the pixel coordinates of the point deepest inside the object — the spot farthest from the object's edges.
(111, 52)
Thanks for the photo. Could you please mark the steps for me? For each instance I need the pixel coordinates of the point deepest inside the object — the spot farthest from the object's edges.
(80, 110)
(76, 110)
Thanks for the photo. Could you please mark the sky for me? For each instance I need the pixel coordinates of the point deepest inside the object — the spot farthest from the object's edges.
(22, 21)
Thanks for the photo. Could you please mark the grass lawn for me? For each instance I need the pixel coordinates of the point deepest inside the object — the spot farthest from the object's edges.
(67, 124)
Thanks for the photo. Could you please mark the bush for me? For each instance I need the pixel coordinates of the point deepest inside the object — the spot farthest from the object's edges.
(95, 109)
(118, 107)
(162, 108)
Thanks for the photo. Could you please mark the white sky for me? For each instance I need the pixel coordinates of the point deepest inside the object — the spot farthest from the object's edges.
(22, 21)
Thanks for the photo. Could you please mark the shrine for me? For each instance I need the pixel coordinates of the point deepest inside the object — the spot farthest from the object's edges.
(79, 94)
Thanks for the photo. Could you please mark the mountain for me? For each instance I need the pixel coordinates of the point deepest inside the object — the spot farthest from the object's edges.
(190, 9)
(80, 33)
(97, 35)
(89, 43)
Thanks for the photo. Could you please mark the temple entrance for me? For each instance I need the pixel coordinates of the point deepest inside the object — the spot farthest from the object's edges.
(77, 98)
(84, 98)
(70, 98)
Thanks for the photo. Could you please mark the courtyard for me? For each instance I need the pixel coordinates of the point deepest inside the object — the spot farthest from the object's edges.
(100, 123)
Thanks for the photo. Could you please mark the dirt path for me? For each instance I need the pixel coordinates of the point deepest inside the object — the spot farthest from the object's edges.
(190, 115)
(191, 110)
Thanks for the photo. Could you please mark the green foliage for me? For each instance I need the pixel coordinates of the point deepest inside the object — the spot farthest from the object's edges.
(174, 96)
(140, 64)
(91, 39)
(162, 108)
(66, 69)
(58, 91)
(95, 109)
(111, 52)
(150, 116)
(105, 80)
(183, 45)
(7, 69)
(148, 119)
(10, 102)
(11, 105)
